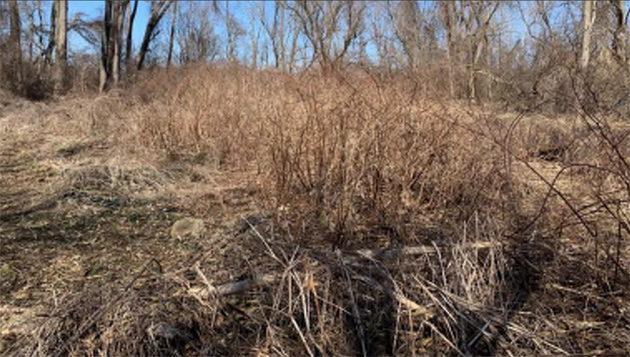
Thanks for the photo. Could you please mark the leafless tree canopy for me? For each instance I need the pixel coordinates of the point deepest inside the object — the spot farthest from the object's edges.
(484, 51)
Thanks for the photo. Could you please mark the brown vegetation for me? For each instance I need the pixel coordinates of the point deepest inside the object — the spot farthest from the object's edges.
(455, 198)
(327, 169)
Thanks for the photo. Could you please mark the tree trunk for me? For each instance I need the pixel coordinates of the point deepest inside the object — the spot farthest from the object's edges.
(61, 60)
(254, 50)
(40, 37)
(407, 30)
(172, 36)
(119, 19)
(281, 62)
(619, 39)
(448, 24)
(157, 13)
(129, 43)
(275, 32)
(472, 82)
(488, 65)
(232, 34)
(588, 19)
(106, 47)
(16, 45)
(144, 47)
(479, 48)
(294, 49)
(31, 34)
(479, 43)
(48, 54)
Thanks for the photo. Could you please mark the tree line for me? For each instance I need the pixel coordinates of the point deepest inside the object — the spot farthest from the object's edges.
(467, 49)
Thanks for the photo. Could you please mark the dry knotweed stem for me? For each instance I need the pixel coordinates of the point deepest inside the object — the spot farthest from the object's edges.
(406, 251)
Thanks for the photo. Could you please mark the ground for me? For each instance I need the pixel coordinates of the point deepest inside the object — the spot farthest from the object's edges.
(72, 215)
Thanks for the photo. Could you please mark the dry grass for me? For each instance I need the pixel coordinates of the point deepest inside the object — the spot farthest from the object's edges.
(523, 220)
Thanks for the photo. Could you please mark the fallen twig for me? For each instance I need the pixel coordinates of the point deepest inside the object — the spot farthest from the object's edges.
(234, 287)
(240, 286)
(394, 252)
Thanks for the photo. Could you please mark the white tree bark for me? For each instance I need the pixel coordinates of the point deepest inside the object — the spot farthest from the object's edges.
(588, 19)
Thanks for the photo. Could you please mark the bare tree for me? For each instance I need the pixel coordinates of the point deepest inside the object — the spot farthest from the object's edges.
(158, 10)
(172, 35)
(620, 34)
(111, 43)
(3, 20)
(61, 60)
(478, 50)
(105, 68)
(254, 35)
(406, 20)
(129, 41)
(41, 34)
(450, 18)
(588, 19)
(48, 53)
(281, 34)
(330, 27)
(292, 30)
(467, 27)
(15, 43)
(195, 35)
(379, 34)
(29, 9)
(234, 31)
(275, 29)
(482, 13)
(120, 11)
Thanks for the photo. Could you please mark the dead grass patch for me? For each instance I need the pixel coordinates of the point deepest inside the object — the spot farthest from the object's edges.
(284, 168)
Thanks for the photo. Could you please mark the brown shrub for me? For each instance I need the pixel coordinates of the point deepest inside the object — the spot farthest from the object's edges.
(359, 160)
(350, 155)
